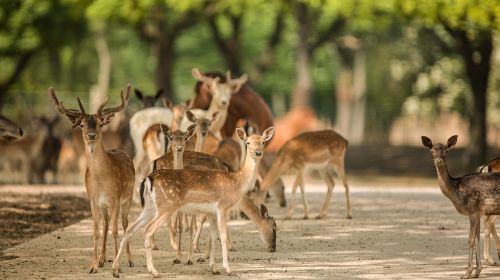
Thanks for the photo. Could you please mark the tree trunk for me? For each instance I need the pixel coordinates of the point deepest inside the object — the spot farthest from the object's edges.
(99, 91)
(351, 90)
(21, 65)
(229, 48)
(303, 88)
(165, 65)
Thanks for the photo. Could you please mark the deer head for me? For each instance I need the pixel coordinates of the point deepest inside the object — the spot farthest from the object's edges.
(148, 101)
(9, 131)
(221, 92)
(91, 124)
(255, 143)
(203, 123)
(439, 150)
(179, 138)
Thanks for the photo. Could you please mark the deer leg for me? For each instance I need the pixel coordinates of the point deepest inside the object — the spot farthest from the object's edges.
(304, 200)
(150, 230)
(178, 254)
(171, 231)
(192, 224)
(95, 235)
(472, 240)
(294, 191)
(476, 247)
(339, 169)
(222, 224)
(125, 211)
(114, 226)
(199, 227)
(148, 213)
(330, 185)
(494, 234)
(105, 218)
(487, 232)
(213, 237)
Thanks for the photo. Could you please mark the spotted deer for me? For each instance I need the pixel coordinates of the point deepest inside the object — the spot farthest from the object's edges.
(473, 195)
(490, 221)
(9, 131)
(221, 96)
(322, 150)
(195, 191)
(109, 178)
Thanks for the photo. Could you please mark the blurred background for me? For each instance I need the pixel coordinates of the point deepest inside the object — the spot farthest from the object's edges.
(382, 73)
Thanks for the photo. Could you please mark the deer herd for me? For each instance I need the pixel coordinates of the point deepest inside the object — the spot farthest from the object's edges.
(202, 160)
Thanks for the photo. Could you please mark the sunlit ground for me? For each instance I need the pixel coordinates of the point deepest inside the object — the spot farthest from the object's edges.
(398, 231)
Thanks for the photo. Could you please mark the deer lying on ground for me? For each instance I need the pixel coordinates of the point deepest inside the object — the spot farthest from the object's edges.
(109, 178)
(221, 97)
(9, 131)
(195, 191)
(490, 221)
(321, 150)
(472, 195)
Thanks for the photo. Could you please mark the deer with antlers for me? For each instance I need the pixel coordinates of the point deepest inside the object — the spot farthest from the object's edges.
(473, 195)
(109, 178)
(196, 191)
(9, 131)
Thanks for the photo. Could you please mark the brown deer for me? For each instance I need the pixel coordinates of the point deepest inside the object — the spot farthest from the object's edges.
(203, 133)
(148, 101)
(472, 195)
(9, 131)
(490, 221)
(321, 150)
(196, 191)
(109, 178)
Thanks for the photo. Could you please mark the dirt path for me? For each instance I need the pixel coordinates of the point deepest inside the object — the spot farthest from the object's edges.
(396, 233)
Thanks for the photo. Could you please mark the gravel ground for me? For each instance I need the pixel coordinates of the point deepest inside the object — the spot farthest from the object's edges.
(397, 232)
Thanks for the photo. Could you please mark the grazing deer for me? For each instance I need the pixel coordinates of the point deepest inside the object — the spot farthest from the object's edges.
(320, 150)
(9, 131)
(109, 177)
(196, 191)
(149, 101)
(472, 195)
(221, 96)
(490, 221)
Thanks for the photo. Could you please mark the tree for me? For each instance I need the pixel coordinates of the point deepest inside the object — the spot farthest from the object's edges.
(464, 28)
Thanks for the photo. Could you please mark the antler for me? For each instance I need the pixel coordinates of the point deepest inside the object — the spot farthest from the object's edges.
(74, 116)
(200, 77)
(103, 112)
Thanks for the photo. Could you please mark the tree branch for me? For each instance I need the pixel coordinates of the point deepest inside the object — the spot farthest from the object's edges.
(335, 27)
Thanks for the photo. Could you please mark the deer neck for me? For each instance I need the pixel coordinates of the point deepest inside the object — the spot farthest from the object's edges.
(200, 142)
(221, 118)
(95, 155)
(248, 173)
(445, 181)
(178, 160)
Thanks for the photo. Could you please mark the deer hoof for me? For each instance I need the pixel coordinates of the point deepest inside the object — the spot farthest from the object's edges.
(155, 247)
(116, 274)
(491, 261)
(154, 273)
(215, 272)
(93, 270)
(305, 217)
(200, 260)
(130, 263)
(176, 261)
(349, 217)
(189, 262)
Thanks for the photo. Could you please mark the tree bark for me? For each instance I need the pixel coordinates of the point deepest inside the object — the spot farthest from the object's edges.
(99, 91)
(229, 48)
(164, 48)
(301, 96)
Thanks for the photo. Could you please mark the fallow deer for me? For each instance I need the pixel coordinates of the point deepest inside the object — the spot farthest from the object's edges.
(9, 131)
(109, 178)
(473, 195)
(203, 133)
(320, 150)
(221, 97)
(195, 191)
(148, 101)
(490, 221)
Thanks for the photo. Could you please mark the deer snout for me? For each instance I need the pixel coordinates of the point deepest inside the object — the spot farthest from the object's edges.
(179, 149)
(258, 153)
(91, 136)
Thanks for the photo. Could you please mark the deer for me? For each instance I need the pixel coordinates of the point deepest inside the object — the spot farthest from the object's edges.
(109, 178)
(322, 150)
(490, 221)
(195, 191)
(9, 131)
(472, 195)
(203, 133)
(221, 96)
(149, 101)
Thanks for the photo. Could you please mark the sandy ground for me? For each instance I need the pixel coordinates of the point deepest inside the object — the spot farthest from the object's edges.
(398, 232)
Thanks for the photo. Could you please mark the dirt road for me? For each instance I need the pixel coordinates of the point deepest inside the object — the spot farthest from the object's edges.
(396, 233)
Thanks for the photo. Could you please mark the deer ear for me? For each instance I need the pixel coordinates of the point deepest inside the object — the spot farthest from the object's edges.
(263, 211)
(241, 134)
(167, 103)
(426, 141)
(138, 93)
(215, 116)
(190, 131)
(190, 115)
(452, 141)
(159, 93)
(268, 134)
(236, 84)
